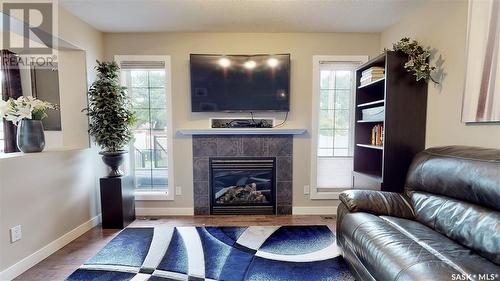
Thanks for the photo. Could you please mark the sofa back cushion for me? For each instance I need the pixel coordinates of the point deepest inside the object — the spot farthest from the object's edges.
(456, 191)
(473, 226)
(466, 173)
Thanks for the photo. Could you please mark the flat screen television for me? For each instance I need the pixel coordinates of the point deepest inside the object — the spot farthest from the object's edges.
(240, 83)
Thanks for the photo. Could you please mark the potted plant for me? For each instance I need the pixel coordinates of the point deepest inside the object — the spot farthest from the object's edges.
(111, 116)
(27, 114)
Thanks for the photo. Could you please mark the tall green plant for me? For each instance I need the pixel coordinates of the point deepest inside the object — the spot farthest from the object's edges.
(109, 109)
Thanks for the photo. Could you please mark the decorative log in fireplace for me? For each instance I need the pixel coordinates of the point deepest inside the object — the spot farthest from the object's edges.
(241, 194)
(243, 185)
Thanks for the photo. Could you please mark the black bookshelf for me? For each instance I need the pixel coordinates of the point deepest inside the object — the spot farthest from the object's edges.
(404, 120)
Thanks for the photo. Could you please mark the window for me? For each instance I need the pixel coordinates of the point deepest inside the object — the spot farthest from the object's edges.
(333, 126)
(147, 79)
(336, 92)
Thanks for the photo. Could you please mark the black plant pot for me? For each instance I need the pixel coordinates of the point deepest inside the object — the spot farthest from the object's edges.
(114, 160)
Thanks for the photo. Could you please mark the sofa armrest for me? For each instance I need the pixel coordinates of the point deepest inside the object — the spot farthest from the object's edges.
(377, 202)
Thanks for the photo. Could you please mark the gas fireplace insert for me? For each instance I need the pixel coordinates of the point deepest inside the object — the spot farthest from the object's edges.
(243, 185)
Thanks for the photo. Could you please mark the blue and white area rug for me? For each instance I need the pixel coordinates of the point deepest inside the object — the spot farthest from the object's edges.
(255, 253)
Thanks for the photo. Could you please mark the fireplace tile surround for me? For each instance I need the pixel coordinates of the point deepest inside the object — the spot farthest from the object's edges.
(206, 146)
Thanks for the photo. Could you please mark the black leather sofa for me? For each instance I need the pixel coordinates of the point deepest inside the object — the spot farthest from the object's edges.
(445, 226)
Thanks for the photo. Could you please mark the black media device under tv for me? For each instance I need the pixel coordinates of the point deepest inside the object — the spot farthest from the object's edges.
(240, 83)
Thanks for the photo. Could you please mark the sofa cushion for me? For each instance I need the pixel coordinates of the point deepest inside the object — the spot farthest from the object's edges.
(377, 202)
(400, 249)
(467, 173)
(386, 252)
(473, 226)
(458, 256)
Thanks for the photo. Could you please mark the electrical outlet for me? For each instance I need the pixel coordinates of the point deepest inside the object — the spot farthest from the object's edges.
(16, 234)
(178, 190)
(306, 189)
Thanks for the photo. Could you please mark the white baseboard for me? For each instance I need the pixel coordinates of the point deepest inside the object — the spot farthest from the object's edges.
(164, 211)
(190, 211)
(314, 210)
(31, 260)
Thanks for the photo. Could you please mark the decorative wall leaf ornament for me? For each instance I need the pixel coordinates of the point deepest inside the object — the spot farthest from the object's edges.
(418, 59)
(110, 109)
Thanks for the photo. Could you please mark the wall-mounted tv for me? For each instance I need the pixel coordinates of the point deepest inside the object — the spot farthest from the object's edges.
(240, 82)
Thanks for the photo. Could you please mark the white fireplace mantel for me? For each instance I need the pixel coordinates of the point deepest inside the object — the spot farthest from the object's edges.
(242, 131)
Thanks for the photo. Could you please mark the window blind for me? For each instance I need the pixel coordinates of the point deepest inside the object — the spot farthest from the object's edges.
(142, 65)
(332, 66)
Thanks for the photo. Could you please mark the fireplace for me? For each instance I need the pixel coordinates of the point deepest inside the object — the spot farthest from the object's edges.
(242, 185)
(207, 148)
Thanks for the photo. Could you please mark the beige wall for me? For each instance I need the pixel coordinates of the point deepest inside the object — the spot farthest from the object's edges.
(91, 41)
(301, 47)
(77, 32)
(48, 194)
(442, 25)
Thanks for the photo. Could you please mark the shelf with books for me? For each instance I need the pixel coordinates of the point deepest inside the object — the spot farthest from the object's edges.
(392, 102)
(378, 147)
(367, 104)
(377, 135)
(371, 75)
(371, 83)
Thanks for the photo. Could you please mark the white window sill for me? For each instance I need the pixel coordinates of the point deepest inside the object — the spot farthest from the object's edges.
(326, 193)
(153, 195)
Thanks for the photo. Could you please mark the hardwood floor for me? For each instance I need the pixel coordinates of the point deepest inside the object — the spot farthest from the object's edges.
(63, 262)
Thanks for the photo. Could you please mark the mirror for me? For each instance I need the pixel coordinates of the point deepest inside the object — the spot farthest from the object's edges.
(43, 84)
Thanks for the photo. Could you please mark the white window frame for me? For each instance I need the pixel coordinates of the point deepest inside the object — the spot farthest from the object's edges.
(160, 194)
(314, 192)
(2, 133)
(2, 139)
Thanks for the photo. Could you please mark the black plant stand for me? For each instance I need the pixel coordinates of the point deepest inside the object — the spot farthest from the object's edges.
(117, 202)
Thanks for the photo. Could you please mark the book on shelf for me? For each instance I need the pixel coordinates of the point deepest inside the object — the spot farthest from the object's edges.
(371, 74)
(371, 77)
(373, 70)
(377, 135)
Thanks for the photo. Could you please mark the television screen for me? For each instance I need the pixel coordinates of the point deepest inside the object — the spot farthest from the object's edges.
(240, 82)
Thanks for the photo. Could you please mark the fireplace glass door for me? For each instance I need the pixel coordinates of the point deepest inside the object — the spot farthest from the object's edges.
(242, 186)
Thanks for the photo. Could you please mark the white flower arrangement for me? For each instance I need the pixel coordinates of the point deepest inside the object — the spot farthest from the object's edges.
(23, 107)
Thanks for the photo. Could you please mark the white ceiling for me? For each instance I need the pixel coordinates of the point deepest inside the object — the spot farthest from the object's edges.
(240, 15)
